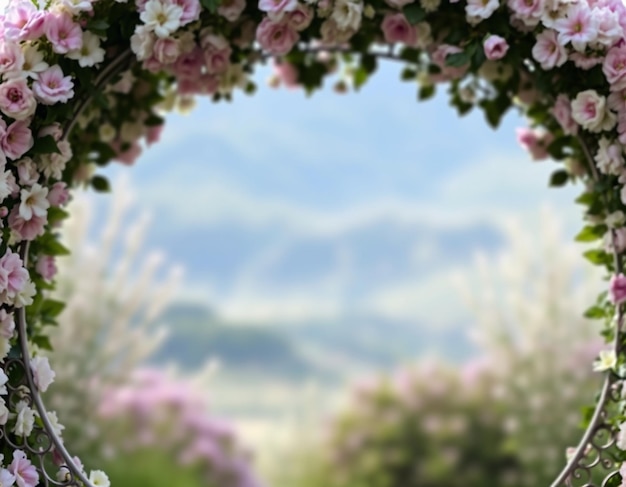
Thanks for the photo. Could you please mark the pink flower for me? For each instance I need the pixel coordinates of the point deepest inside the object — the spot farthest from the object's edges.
(580, 26)
(277, 38)
(153, 134)
(26, 229)
(52, 87)
(562, 112)
(191, 10)
(7, 324)
(25, 473)
(396, 28)
(17, 140)
(398, 3)
(23, 22)
(59, 194)
(495, 47)
(614, 67)
(63, 33)
(231, 9)
(127, 156)
(617, 289)
(588, 109)
(13, 275)
(46, 267)
(300, 18)
(54, 130)
(527, 11)
(216, 53)
(190, 64)
(11, 58)
(535, 141)
(286, 73)
(276, 7)
(548, 51)
(447, 73)
(584, 60)
(16, 99)
(166, 50)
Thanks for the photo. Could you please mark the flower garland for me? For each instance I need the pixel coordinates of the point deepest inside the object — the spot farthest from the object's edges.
(85, 82)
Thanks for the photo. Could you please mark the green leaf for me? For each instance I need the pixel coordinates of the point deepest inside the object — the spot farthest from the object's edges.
(414, 13)
(211, 5)
(425, 92)
(559, 178)
(52, 308)
(369, 63)
(585, 199)
(595, 312)
(51, 246)
(43, 342)
(458, 59)
(98, 26)
(154, 120)
(591, 233)
(100, 184)
(359, 77)
(597, 256)
(408, 74)
(45, 145)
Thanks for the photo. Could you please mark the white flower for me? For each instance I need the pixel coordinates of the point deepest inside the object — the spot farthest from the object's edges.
(54, 422)
(90, 53)
(609, 158)
(25, 419)
(131, 131)
(480, 9)
(3, 380)
(33, 62)
(42, 373)
(75, 7)
(589, 110)
(99, 478)
(5, 186)
(4, 413)
(161, 18)
(106, 132)
(347, 14)
(606, 361)
(430, 5)
(142, 42)
(7, 479)
(615, 219)
(25, 296)
(621, 437)
(34, 201)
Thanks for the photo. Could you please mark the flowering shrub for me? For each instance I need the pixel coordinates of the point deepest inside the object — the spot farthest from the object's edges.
(82, 83)
(156, 412)
(429, 425)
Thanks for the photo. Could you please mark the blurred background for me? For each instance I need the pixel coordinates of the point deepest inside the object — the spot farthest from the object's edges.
(351, 290)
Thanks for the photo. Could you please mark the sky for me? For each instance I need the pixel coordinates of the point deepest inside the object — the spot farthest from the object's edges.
(283, 207)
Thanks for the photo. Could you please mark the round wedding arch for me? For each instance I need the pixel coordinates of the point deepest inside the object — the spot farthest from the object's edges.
(84, 82)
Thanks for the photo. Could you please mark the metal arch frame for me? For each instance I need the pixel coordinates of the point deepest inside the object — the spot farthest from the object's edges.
(50, 442)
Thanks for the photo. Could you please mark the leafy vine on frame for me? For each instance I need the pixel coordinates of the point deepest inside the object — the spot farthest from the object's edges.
(86, 82)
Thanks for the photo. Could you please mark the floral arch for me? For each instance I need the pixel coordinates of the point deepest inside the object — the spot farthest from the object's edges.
(83, 82)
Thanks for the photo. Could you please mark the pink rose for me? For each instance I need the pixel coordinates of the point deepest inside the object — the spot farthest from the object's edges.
(562, 112)
(495, 47)
(127, 156)
(11, 58)
(17, 140)
(398, 3)
(276, 7)
(54, 130)
(7, 324)
(16, 99)
(46, 267)
(23, 22)
(614, 67)
(589, 110)
(13, 275)
(277, 38)
(447, 73)
(63, 33)
(548, 51)
(58, 194)
(287, 74)
(190, 64)
(166, 50)
(216, 53)
(191, 10)
(231, 9)
(300, 18)
(52, 87)
(535, 141)
(396, 28)
(153, 134)
(617, 289)
(26, 229)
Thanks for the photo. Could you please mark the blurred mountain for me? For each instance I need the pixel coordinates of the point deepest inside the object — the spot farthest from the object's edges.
(330, 351)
